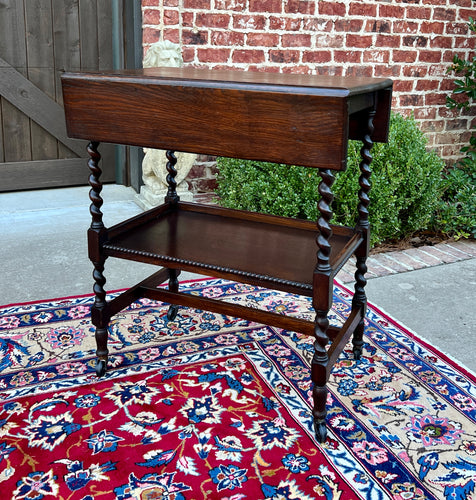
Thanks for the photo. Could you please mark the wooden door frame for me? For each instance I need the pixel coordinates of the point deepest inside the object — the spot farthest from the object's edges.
(44, 111)
(127, 53)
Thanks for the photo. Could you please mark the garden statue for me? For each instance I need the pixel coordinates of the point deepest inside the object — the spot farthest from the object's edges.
(154, 171)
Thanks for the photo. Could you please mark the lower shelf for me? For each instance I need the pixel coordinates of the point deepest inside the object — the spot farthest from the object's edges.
(150, 288)
(276, 252)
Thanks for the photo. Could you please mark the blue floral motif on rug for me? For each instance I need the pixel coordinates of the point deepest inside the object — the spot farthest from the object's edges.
(209, 406)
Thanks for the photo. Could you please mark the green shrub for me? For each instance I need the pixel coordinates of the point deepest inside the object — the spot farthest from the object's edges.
(456, 215)
(405, 185)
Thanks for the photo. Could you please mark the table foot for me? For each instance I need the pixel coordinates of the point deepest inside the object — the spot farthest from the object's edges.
(357, 351)
(320, 430)
(101, 366)
(172, 312)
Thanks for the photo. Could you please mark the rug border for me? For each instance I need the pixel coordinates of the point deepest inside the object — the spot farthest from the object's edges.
(419, 338)
(412, 334)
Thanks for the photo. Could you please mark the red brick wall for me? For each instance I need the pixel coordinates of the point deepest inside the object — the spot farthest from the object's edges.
(411, 41)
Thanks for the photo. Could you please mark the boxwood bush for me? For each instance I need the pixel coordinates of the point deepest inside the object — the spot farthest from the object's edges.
(456, 214)
(406, 185)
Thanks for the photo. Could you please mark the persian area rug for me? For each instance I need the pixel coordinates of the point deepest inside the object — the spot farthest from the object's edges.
(214, 407)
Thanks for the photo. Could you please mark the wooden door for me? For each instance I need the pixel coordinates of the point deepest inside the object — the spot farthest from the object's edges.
(39, 40)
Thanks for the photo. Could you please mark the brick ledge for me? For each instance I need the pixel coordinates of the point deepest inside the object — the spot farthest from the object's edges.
(411, 259)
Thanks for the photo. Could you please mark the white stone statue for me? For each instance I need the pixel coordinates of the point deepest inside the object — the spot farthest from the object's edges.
(163, 54)
(154, 171)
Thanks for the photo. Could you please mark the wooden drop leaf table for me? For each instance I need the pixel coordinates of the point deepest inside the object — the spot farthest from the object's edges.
(281, 118)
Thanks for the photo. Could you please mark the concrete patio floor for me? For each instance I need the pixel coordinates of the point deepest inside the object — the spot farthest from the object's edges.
(44, 255)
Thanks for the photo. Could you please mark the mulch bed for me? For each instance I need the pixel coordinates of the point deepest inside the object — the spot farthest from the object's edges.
(419, 239)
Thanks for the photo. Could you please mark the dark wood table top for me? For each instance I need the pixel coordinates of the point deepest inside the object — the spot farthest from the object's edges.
(283, 118)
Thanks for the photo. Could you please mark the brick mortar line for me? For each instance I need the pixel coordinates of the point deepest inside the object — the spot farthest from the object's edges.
(346, 276)
(432, 255)
(466, 256)
(392, 270)
(459, 249)
(391, 257)
(380, 264)
(417, 258)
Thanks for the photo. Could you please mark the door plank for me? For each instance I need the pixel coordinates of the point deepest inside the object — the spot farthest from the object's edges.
(12, 28)
(104, 28)
(36, 104)
(40, 55)
(67, 54)
(15, 124)
(103, 41)
(89, 35)
(66, 40)
(16, 130)
(2, 153)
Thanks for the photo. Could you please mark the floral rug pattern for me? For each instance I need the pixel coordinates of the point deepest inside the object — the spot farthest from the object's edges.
(208, 406)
